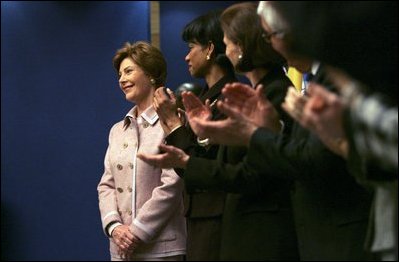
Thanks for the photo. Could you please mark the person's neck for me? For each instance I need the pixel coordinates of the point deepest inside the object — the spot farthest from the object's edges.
(256, 75)
(144, 104)
(215, 74)
(304, 65)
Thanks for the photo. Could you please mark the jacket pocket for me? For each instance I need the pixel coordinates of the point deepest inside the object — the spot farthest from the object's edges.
(169, 236)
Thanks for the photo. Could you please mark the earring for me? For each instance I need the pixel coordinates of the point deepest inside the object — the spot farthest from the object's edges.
(208, 57)
(152, 80)
(240, 56)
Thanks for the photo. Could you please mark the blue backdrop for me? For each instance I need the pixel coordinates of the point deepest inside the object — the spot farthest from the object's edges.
(59, 98)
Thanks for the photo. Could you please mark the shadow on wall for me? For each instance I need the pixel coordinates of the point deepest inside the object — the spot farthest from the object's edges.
(9, 228)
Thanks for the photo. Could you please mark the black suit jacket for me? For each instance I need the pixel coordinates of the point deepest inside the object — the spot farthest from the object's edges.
(330, 208)
(204, 209)
(257, 220)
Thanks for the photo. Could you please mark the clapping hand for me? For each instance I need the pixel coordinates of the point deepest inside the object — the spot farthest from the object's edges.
(170, 157)
(246, 110)
(164, 103)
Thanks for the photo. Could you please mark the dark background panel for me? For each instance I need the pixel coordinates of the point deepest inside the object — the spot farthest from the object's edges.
(59, 98)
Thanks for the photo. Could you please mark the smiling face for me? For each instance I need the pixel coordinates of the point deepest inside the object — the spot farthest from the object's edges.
(134, 82)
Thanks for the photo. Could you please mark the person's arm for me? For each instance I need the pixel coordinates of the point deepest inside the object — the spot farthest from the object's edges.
(106, 193)
(233, 176)
(157, 211)
(182, 138)
(322, 113)
(373, 125)
(301, 156)
(209, 174)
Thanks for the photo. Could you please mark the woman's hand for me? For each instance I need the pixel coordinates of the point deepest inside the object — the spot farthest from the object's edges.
(171, 157)
(125, 240)
(165, 105)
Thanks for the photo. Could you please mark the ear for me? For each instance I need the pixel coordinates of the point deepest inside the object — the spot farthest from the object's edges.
(211, 48)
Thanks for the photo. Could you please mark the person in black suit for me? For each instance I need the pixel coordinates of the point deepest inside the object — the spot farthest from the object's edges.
(257, 219)
(206, 59)
(359, 39)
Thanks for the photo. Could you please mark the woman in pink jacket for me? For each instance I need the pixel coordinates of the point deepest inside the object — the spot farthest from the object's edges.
(141, 206)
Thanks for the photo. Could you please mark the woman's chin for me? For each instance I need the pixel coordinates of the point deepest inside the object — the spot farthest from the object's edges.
(130, 98)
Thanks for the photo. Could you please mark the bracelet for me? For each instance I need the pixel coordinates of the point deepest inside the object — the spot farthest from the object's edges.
(203, 142)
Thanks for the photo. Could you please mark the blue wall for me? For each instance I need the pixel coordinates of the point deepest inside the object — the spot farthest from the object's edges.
(59, 98)
(174, 15)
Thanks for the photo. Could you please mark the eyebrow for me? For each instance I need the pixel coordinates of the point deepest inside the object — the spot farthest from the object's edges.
(127, 67)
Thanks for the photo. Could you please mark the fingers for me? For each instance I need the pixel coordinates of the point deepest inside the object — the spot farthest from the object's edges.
(163, 96)
(238, 87)
(321, 97)
(190, 101)
(196, 126)
(155, 104)
(207, 103)
(170, 149)
(154, 160)
(170, 157)
(125, 240)
(295, 114)
(228, 110)
(126, 250)
(316, 104)
(315, 89)
(204, 128)
(294, 103)
(182, 115)
(259, 91)
(171, 94)
(181, 111)
(237, 91)
(262, 97)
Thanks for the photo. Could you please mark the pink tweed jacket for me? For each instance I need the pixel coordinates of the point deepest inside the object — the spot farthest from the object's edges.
(146, 198)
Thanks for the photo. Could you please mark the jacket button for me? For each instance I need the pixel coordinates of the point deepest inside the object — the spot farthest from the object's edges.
(120, 190)
(129, 189)
(145, 124)
(125, 145)
(131, 165)
(119, 166)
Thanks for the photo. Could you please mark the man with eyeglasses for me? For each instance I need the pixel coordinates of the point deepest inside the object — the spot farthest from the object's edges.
(315, 198)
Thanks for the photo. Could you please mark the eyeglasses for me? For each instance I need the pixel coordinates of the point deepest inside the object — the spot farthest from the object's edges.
(268, 36)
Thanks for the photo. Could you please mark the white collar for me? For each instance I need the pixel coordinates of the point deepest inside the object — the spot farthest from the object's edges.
(149, 115)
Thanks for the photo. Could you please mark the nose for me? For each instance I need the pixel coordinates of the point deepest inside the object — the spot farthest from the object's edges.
(122, 79)
(187, 58)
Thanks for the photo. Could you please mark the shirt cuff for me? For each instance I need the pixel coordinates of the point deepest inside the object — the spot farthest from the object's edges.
(203, 142)
(112, 227)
